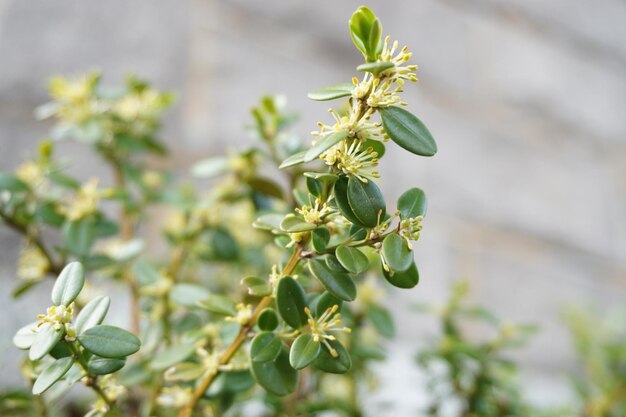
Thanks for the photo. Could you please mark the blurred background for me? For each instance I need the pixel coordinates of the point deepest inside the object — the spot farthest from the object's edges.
(527, 100)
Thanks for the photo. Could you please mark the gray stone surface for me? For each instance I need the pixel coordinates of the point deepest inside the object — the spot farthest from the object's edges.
(526, 98)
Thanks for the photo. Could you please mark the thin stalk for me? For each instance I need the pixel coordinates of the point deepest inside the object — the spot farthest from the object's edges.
(55, 267)
(239, 340)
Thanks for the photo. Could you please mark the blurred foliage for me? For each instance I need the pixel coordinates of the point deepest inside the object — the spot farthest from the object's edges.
(600, 342)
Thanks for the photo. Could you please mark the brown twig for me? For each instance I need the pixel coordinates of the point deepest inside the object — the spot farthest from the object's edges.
(241, 337)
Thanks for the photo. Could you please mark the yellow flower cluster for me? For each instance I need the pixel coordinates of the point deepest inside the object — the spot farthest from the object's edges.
(352, 159)
(32, 264)
(84, 202)
(329, 321)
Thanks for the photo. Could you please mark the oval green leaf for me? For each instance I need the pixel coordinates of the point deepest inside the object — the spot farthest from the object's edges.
(268, 320)
(324, 143)
(331, 92)
(171, 356)
(219, 304)
(109, 341)
(320, 238)
(277, 377)
(293, 160)
(52, 374)
(290, 300)
(395, 251)
(293, 224)
(352, 259)
(366, 201)
(404, 279)
(45, 340)
(104, 366)
(265, 347)
(375, 67)
(326, 301)
(338, 284)
(412, 203)
(341, 198)
(92, 314)
(382, 320)
(406, 130)
(68, 284)
(339, 364)
(25, 336)
(304, 350)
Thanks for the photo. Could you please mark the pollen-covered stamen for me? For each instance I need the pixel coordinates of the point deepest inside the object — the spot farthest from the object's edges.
(329, 321)
(56, 316)
(410, 229)
(244, 314)
(317, 213)
(399, 71)
(352, 159)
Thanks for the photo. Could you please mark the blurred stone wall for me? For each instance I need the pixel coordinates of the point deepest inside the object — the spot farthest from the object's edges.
(527, 100)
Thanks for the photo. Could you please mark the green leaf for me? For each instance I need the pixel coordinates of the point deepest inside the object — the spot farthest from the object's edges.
(366, 201)
(352, 259)
(109, 341)
(331, 92)
(104, 366)
(334, 265)
(407, 131)
(92, 314)
(293, 224)
(295, 159)
(171, 356)
(186, 371)
(324, 143)
(376, 145)
(290, 300)
(320, 238)
(403, 279)
(277, 377)
(268, 221)
(11, 183)
(268, 320)
(396, 252)
(366, 33)
(219, 304)
(25, 336)
(223, 246)
(326, 301)
(315, 187)
(45, 340)
(68, 284)
(335, 365)
(412, 203)
(210, 167)
(375, 67)
(304, 350)
(52, 374)
(188, 295)
(257, 286)
(265, 347)
(341, 198)
(60, 350)
(337, 283)
(145, 272)
(79, 235)
(325, 177)
(267, 187)
(382, 320)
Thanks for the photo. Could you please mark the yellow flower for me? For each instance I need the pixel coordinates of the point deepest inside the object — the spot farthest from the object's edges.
(329, 321)
(31, 173)
(32, 264)
(85, 202)
(352, 159)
